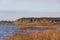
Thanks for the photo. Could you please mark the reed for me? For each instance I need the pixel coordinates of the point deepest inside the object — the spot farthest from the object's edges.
(51, 35)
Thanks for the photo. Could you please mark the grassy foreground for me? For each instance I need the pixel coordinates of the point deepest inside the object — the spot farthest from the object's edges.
(51, 35)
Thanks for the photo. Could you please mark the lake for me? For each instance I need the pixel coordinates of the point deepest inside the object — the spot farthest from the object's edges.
(6, 31)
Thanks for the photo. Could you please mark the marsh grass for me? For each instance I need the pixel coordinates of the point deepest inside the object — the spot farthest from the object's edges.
(51, 35)
(32, 28)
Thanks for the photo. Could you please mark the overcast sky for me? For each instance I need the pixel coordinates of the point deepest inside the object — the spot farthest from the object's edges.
(14, 9)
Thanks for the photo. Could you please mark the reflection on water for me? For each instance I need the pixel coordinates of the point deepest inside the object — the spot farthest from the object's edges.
(6, 31)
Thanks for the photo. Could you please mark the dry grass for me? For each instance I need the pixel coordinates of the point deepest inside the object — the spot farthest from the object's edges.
(51, 35)
(31, 28)
(53, 27)
(41, 23)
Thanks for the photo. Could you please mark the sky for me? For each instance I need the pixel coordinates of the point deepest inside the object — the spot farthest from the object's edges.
(14, 9)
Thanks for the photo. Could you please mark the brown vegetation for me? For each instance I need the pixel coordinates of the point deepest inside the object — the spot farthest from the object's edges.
(31, 28)
(51, 35)
(38, 21)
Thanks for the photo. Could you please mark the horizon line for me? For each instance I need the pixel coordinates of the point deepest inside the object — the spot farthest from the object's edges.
(28, 17)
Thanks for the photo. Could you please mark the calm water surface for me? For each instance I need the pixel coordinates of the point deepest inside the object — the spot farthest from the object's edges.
(6, 31)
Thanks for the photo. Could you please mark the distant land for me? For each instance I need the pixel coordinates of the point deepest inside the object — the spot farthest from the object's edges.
(33, 21)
